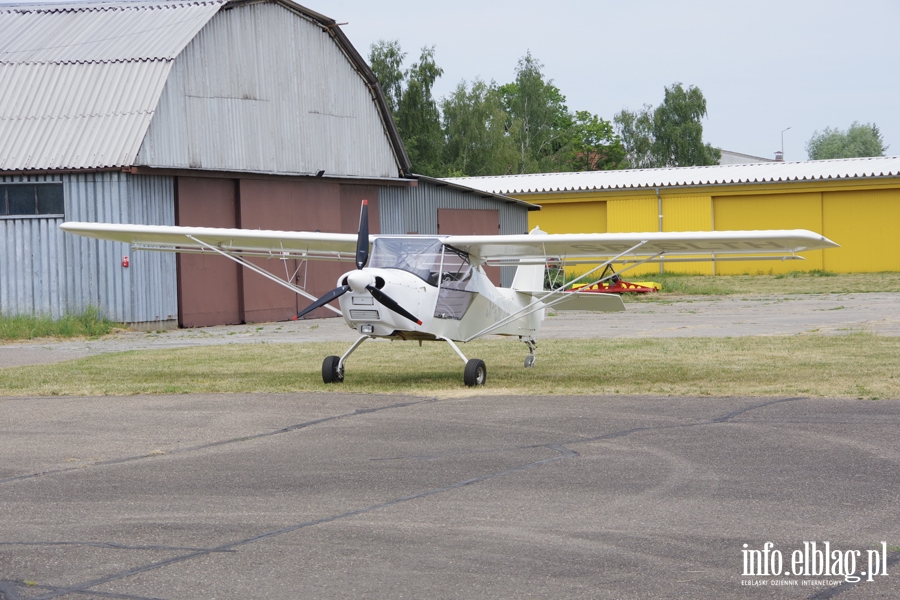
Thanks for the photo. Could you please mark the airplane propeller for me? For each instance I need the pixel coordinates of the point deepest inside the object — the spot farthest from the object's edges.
(359, 280)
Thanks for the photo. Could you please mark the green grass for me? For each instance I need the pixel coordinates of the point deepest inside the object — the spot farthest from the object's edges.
(795, 282)
(25, 327)
(857, 365)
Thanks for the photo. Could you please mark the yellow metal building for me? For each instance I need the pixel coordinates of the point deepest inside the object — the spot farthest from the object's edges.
(854, 202)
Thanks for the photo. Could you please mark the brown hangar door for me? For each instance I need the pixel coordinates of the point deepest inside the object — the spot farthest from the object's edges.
(208, 286)
(214, 290)
(456, 221)
(292, 205)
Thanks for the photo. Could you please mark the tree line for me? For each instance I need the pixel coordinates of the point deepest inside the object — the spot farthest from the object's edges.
(525, 126)
(858, 140)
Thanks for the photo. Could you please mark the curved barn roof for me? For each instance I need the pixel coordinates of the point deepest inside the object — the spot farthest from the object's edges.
(80, 82)
(635, 179)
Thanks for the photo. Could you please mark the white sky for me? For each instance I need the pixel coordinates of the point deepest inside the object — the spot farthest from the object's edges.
(763, 65)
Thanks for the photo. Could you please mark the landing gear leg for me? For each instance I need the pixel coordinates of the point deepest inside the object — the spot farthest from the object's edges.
(333, 367)
(529, 360)
(476, 372)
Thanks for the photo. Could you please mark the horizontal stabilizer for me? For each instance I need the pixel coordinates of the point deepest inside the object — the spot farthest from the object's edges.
(583, 301)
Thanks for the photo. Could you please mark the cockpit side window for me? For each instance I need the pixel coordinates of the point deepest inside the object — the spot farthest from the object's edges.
(457, 287)
(456, 272)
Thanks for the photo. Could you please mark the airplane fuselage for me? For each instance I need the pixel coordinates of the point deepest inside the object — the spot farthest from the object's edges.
(446, 308)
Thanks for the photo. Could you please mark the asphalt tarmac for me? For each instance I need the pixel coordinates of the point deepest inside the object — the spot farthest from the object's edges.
(355, 496)
(368, 496)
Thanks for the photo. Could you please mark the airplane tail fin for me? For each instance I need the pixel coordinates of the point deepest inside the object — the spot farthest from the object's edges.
(530, 278)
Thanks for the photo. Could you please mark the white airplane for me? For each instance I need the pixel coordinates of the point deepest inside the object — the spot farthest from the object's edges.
(421, 287)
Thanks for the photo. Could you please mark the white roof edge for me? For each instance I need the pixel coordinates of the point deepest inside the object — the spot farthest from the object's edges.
(714, 175)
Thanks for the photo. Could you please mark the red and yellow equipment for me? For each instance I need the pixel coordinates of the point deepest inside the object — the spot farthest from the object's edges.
(618, 287)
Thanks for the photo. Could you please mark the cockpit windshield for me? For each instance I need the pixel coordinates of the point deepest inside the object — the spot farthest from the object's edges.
(417, 255)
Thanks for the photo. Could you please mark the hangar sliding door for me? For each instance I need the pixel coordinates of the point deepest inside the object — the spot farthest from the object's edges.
(570, 217)
(267, 205)
(298, 205)
(213, 290)
(865, 223)
(688, 213)
(769, 211)
(208, 286)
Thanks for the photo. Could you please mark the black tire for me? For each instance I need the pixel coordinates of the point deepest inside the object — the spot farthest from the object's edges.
(475, 373)
(330, 371)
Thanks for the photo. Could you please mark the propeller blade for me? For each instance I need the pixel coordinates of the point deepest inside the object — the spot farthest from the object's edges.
(362, 242)
(335, 293)
(391, 304)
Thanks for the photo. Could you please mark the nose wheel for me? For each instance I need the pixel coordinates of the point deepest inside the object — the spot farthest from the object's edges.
(333, 366)
(332, 370)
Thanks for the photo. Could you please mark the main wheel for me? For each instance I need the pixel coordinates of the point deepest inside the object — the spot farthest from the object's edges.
(331, 373)
(475, 373)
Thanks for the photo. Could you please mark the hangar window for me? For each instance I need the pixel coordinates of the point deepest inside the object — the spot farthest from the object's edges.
(30, 199)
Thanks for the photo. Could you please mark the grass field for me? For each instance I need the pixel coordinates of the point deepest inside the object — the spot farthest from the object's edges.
(674, 286)
(858, 365)
(26, 327)
(798, 282)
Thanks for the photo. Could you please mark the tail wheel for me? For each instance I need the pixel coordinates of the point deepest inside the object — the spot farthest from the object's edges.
(331, 372)
(475, 373)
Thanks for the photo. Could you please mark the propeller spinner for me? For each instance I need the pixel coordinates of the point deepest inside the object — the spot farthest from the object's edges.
(359, 279)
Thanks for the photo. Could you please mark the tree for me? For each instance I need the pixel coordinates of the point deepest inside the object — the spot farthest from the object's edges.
(474, 126)
(418, 119)
(593, 145)
(521, 127)
(677, 132)
(858, 140)
(408, 93)
(636, 132)
(670, 135)
(539, 121)
(387, 59)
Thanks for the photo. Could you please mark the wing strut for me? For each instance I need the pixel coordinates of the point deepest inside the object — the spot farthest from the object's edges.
(262, 272)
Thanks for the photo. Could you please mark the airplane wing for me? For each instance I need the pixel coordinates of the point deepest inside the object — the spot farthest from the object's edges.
(483, 248)
(333, 246)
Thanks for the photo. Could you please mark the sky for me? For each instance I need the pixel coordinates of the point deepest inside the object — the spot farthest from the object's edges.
(763, 66)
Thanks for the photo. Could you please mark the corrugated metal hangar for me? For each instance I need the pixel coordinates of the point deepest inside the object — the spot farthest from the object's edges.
(223, 113)
(855, 202)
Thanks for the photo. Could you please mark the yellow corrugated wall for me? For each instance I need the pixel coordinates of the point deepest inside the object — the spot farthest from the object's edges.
(570, 217)
(773, 211)
(688, 213)
(866, 224)
(627, 215)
